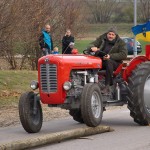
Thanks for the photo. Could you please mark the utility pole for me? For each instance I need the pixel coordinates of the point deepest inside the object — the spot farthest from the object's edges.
(135, 23)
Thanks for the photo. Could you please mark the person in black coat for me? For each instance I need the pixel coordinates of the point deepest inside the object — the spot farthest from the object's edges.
(67, 42)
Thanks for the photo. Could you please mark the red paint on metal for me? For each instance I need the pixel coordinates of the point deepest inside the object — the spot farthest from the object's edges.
(147, 48)
(65, 63)
(132, 65)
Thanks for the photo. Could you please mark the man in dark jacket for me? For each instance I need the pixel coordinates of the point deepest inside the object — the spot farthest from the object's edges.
(67, 43)
(115, 50)
(45, 41)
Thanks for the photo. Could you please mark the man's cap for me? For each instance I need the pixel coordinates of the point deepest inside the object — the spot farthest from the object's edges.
(112, 29)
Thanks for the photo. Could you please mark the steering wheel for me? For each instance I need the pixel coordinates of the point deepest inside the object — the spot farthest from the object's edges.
(88, 52)
(101, 54)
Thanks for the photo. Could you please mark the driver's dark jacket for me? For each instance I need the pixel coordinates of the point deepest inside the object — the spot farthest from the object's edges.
(118, 51)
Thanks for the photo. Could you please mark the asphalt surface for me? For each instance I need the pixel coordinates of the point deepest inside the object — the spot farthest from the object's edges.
(9, 134)
(127, 135)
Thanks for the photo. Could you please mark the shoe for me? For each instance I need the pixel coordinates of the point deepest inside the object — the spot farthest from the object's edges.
(104, 109)
(105, 90)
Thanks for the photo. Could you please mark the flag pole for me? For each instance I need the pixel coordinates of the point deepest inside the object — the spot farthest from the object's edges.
(135, 23)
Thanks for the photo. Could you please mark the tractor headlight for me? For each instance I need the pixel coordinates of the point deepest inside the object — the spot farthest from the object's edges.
(34, 85)
(67, 85)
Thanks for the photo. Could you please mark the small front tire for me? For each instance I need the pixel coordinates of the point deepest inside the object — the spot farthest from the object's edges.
(31, 122)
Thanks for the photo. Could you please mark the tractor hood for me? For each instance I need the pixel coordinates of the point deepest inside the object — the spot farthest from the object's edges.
(54, 71)
(73, 61)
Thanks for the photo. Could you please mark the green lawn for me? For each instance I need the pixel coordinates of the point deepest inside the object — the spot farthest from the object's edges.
(94, 30)
(13, 83)
(82, 44)
(16, 80)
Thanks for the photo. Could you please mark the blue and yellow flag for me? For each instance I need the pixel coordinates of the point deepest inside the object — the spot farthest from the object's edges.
(142, 31)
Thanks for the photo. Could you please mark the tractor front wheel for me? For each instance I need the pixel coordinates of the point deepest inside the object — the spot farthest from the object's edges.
(91, 105)
(139, 98)
(30, 118)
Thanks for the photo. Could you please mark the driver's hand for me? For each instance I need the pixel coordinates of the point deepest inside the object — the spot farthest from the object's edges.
(94, 49)
(106, 57)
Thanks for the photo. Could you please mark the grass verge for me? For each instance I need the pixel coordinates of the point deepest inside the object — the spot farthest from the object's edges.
(13, 83)
(94, 30)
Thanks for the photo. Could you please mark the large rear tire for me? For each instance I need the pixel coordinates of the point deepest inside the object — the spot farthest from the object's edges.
(91, 105)
(76, 114)
(31, 122)
(139, 99)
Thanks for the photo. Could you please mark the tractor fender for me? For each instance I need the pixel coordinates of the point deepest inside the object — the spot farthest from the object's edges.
(132, 65)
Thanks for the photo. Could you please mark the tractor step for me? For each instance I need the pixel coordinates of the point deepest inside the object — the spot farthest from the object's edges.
(115, 103)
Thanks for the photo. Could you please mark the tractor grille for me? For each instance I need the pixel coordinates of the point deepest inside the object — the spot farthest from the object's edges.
(48, 78)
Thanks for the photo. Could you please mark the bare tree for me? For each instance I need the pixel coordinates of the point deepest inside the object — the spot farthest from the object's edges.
(124, 12)
(4, 21)
(9, 23)
(22, 22)
(60, 14)
(102, 9)
(144, 10)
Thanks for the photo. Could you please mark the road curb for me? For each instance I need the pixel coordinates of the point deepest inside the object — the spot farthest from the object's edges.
(54, 138)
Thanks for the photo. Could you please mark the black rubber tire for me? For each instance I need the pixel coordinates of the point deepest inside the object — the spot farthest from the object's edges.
(76, 114)
(86, 107)
(136, 103)
(30, 122)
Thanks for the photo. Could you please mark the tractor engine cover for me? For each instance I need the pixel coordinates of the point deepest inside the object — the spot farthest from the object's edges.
(54, 71)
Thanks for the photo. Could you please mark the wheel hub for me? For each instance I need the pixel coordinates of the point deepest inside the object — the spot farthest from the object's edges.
(95, 104)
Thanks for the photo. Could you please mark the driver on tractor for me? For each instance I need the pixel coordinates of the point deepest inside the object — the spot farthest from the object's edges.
(116, 51)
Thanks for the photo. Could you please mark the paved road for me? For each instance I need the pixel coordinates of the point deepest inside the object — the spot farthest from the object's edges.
(127, 135)
(9, 134)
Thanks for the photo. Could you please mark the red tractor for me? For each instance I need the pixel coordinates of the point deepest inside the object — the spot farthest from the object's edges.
(74, 82)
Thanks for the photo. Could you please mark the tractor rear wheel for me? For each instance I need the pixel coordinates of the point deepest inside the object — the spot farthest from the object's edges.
(91, 105)
(139, 98)
(30, 120)
(76, 114)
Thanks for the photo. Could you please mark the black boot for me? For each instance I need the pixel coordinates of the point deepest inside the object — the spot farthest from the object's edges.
(105, 90)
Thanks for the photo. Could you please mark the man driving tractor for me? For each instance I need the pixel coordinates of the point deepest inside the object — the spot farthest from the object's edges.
(116, 51)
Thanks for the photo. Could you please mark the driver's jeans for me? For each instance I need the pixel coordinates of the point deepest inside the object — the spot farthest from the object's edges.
(110, 66)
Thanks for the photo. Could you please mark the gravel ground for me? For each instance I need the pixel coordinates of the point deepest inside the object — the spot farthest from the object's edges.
(9, 116)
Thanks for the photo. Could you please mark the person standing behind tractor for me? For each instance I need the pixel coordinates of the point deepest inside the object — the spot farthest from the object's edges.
(67, 42)
(116, 52)
(45, 40)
